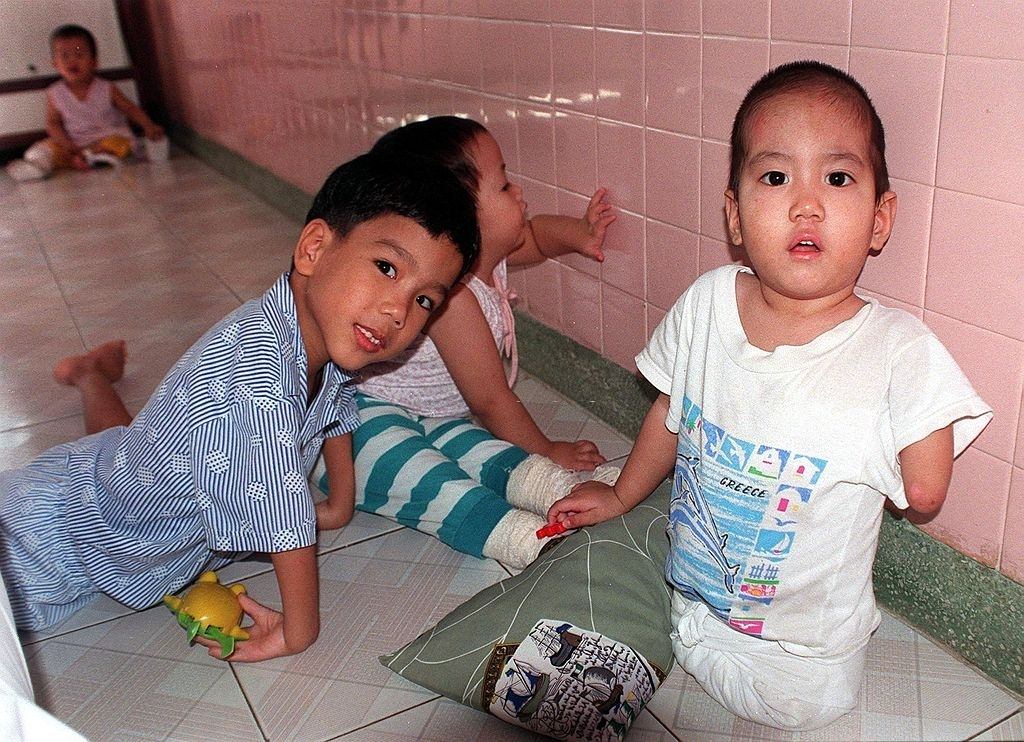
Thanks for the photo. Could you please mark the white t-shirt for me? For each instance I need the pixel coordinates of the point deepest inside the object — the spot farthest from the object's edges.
(785, 458)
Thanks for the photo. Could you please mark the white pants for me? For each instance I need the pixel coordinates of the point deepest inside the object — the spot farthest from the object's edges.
(758, 679)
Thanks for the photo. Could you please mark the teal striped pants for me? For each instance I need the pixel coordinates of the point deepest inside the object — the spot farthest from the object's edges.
(442, 476)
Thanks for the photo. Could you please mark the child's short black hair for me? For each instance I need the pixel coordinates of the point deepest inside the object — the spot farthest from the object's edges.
(444, 138)
(376, 184)
(815, 77)
(73, 31)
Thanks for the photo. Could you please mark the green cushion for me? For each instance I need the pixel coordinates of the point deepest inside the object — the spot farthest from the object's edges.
(608, 579)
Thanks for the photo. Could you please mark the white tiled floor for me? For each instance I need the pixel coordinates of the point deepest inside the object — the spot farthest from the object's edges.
(156, 254)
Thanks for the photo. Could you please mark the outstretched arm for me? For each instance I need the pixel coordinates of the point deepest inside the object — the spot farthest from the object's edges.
(464, 340)
(135, 114)
(550, 235)
(650, 461)
(926, 467)
(296, 626)
(337, 509)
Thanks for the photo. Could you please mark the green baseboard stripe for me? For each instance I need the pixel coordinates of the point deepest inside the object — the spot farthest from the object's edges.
(606, 390)
(283, 196)
(975, 611)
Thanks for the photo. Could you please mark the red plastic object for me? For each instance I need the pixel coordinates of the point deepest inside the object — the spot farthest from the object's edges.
(551, 529)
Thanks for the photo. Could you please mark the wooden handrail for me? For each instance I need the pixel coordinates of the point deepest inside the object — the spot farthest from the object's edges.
(40, 82)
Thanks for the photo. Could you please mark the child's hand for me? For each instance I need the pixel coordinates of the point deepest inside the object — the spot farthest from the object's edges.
(154, 132)
(587, 504)
(575, 455)
(266, 635)
(595, 223)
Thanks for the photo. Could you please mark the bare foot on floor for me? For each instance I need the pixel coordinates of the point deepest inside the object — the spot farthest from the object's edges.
(107, 359)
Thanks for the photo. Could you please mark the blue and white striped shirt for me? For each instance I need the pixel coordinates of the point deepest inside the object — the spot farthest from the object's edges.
(217, 460)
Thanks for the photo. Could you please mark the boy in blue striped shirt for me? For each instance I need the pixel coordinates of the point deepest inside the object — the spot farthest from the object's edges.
(217, 461)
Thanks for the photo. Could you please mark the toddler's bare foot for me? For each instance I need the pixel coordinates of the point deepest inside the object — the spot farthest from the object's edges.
(107, 359)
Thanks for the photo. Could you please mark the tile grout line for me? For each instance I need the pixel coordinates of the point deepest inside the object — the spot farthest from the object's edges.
(248, 702)
(996, 723)
(258, 573)
(53, 274)
(384, 718)
(666, 726)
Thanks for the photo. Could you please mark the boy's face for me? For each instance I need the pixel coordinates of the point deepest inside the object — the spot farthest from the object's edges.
(500, 210)
(74, 60)
(365, 297)
(806, 211)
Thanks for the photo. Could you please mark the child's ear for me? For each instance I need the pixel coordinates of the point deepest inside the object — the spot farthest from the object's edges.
(732, 216)
(313, 241)
(885, 217)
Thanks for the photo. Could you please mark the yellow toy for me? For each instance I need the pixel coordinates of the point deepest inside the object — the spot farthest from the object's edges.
(211, 610)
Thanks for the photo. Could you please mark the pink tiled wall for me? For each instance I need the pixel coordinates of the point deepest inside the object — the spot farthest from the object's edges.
(639, 96)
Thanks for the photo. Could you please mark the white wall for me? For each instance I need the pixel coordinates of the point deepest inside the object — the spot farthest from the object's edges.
(25, 27)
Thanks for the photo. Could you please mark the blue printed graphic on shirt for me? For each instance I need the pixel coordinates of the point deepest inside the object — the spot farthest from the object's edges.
(735, 515)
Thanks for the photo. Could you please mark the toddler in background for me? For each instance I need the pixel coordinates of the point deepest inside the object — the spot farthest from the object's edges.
(217, 461)
(86, 116)
(420, 459)
(790, 408)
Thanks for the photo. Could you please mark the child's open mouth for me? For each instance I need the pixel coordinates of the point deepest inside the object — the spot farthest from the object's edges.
(805, 247)
(368, 340)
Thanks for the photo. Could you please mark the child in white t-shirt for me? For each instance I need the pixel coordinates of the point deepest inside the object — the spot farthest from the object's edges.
(790, 408)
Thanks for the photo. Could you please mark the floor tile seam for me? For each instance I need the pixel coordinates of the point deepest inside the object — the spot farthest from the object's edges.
(197, 701)
(23, 203)
(33, 424)
(397, 559)
(983, 680)
(48, 232)
(171, 234)
(184, 660)
(104, 208)
(320, 678)
(343, 735)
(156, 249)
(1007, 718)
(49, 265)
(980, 679)
(63, 295)
(668, 728)
(258, 573)
(91, 625)
(248, 701)
(295, 704)
(213, 270)
(100, 689)
(88, 703)
(341, 547)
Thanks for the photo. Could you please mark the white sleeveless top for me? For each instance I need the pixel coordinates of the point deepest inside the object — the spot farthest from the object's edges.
(418, 380)
(87, 121)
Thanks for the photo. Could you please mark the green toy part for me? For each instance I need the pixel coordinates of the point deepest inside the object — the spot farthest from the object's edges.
(211, 610)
